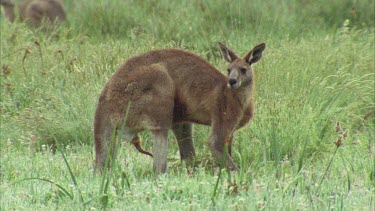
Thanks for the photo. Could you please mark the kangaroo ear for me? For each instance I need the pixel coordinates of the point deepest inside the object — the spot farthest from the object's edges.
(256, 54)
(228, 54)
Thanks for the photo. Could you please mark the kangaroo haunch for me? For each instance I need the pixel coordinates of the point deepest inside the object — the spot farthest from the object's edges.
(172, 89)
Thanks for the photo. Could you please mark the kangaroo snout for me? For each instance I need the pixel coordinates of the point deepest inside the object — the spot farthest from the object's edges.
(234, 83)
(233, 80)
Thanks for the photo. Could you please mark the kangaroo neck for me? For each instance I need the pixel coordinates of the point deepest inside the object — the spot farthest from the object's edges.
(242, 95)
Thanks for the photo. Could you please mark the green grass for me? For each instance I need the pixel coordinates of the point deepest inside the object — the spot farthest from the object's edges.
(317, 70)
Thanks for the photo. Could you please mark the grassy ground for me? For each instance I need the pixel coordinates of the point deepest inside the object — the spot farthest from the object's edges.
(317, 70)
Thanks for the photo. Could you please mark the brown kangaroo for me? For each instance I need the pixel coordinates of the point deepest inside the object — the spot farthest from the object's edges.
(34, 12)
(171, 89)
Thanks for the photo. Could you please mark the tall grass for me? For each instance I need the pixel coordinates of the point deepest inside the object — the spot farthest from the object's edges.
(318, 69)
(208, 21)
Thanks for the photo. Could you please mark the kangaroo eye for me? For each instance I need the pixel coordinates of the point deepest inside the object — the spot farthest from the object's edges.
(228, 70)
(243, 70)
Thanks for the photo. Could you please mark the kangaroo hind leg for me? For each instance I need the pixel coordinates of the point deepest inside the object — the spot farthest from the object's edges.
(184, 136)
(104, 141)
(160, 142)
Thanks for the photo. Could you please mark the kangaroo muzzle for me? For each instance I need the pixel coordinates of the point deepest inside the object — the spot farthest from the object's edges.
(233, 81)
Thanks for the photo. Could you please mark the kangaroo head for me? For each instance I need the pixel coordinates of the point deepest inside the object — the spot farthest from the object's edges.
(240, 73)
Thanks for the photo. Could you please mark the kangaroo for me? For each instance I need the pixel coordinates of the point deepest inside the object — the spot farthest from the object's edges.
(34, 12)
(172, 89)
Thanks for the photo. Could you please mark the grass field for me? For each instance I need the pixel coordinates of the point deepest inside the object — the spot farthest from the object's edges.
(318, 69)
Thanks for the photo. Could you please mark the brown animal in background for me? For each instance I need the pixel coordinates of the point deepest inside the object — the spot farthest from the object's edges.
(34, 12)
(171, 89)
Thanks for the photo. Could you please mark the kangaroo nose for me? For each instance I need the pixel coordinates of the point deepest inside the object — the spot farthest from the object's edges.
(232, 81)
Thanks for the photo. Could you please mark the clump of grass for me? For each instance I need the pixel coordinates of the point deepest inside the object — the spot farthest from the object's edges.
(338, 144)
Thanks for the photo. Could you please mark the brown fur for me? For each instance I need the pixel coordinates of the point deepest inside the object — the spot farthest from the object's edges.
(35, 12)
(171, 89)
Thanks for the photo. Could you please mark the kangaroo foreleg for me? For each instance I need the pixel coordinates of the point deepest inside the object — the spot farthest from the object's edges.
(217, 141)
(229, 142)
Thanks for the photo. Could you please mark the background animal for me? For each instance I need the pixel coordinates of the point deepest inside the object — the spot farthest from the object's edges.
(171, 89)
(34, 12)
